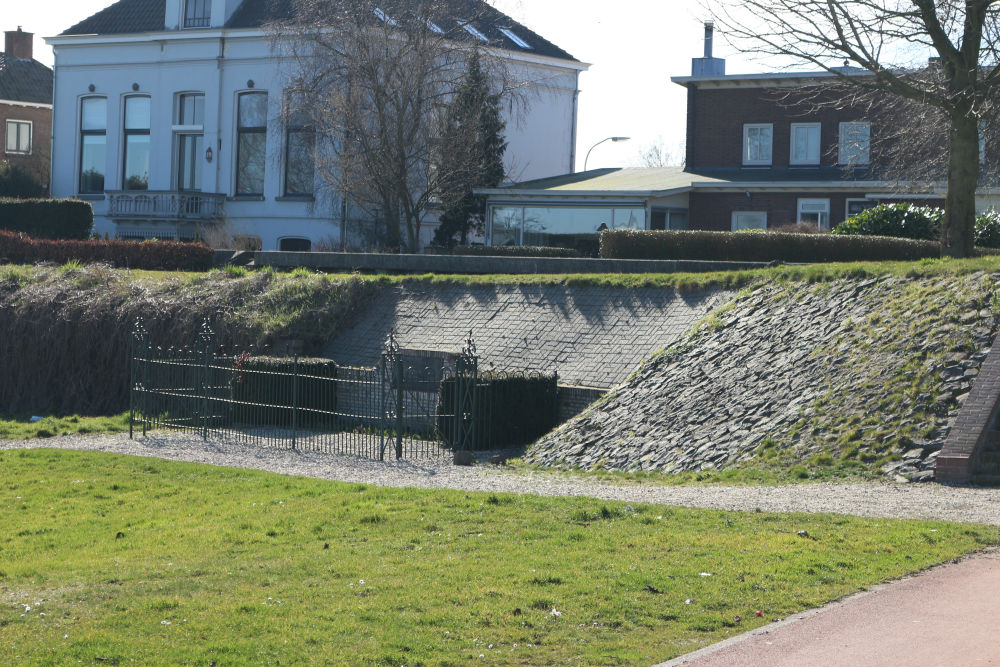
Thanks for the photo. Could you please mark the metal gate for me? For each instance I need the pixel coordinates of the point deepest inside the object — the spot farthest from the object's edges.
(400, 407)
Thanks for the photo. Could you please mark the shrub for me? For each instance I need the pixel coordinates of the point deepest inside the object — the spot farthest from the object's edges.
(153, 255)
(798, 228)
(511, 409)
(763, 247)
(47, 218)
(503, 251)
(15, 181)
(897, 220)
(988, 229)
(267, 383)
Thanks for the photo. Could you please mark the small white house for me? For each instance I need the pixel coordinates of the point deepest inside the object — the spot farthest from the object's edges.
(166, 117)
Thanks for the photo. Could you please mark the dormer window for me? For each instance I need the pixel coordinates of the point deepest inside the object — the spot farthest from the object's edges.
(197, 13)
(514, 38)
(472, 30)
(434, 27)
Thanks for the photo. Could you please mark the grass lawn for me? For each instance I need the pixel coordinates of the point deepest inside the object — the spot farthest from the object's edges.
(121, 560)
(20, 427)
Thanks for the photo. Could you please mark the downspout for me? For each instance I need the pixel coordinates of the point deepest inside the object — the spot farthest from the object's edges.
(218, 112)
(52, 118)
(576, 106)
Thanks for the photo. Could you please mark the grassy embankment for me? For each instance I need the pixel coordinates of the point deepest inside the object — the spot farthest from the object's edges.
(115, 560)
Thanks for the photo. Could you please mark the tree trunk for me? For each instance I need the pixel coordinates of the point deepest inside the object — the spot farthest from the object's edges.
(958, 229)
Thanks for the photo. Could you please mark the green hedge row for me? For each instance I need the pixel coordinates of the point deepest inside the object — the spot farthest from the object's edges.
(760, 246)
(47, 218)
(16, 248)
(255, 382)
(511, 409)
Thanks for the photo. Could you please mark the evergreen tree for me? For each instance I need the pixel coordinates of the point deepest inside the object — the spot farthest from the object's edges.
(470, 154)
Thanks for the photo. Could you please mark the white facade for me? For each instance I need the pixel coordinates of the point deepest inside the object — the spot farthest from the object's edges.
(222, 64)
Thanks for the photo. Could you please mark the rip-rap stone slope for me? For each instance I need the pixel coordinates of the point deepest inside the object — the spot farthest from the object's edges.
(869, 371)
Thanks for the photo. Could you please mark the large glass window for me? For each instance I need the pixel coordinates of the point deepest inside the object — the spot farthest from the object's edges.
(757, 143)
(558, 225)
(197, 13)
(855, 142)
(815, 212)
(136, 160)
(805, 143)
(250, 143)
(19, 136)
(189, 132)
(300, 141)
(93, 144)
(749, 220)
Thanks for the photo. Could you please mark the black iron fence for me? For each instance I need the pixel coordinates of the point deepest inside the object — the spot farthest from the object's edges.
(299, 403)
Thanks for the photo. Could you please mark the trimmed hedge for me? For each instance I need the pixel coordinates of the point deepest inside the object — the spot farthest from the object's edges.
(154, 255)
(47, 218)
(254, 382)
(904, 221)
(763, 247)
(511, 409)
(503, 251)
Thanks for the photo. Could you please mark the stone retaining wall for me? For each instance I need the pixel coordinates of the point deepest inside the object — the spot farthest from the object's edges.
(591, 336)
(571, 400)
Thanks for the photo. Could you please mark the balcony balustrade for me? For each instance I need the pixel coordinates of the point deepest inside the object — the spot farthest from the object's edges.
(165, 205)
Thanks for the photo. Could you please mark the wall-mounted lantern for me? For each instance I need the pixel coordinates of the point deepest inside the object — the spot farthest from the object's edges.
(208, 154)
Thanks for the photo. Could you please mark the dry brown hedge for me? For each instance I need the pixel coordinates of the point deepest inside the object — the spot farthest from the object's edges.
(16, 248)
(64, 334)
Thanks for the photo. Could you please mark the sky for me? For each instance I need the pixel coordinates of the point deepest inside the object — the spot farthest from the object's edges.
(633, 47)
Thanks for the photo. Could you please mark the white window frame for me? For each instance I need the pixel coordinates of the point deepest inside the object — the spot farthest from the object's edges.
(178, 130)
(792, 159)
(747, 127)
(739, 213)
(823, 224)
(31, 136)
(845, 131)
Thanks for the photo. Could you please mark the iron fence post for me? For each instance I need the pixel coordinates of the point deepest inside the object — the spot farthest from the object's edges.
(295, 396)
(555, 398)
(399, 406)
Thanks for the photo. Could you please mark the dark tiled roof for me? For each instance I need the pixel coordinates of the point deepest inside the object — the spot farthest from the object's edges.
(25, 80)
(128, 16)
(122, 17)
(787, 174)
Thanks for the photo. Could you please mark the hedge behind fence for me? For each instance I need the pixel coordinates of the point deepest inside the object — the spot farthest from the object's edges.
(47, 218)
(267, 383)
(761, 246)
(153, 255)
(511, 409)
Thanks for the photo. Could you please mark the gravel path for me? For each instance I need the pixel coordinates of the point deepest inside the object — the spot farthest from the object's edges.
(914, 501)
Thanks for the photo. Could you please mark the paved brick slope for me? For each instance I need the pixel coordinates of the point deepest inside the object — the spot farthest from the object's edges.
(591, 335)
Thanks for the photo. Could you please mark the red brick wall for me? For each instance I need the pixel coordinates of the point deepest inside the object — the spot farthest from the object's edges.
(716, 118)
(714, 210)
(37, 163)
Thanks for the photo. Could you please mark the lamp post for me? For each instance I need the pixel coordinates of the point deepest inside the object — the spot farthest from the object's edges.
(612, 139)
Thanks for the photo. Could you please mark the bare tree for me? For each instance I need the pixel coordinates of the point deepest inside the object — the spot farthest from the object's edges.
(890, 40)
(657, 154)
(374, 80)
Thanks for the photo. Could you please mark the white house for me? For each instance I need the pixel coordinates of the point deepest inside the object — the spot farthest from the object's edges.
(166, 117)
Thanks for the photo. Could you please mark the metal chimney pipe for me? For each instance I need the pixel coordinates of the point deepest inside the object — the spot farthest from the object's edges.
(709, 29)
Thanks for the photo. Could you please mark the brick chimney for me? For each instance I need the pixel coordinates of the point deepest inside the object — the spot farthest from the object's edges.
(17, 43)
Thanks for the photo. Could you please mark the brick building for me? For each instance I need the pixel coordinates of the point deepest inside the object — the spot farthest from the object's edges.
(763, 151)
(25, 107)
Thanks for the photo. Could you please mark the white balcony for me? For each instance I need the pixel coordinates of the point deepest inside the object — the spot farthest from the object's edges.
(165, 205)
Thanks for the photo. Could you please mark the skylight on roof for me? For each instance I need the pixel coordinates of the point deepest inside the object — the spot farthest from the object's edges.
(514, 38)
(434, 27)
(385, 17)
(471, 29)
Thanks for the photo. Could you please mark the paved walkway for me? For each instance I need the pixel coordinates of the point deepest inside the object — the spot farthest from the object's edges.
(947, 615)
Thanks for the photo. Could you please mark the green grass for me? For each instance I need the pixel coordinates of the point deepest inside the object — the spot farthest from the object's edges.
(20, 427)
(115, 559)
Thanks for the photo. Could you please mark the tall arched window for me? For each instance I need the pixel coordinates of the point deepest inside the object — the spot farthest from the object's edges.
(93, 144)
(251, 142)
(189, 133)
(135, 175)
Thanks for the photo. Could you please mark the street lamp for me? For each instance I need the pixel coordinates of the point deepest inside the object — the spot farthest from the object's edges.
(614, 139)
